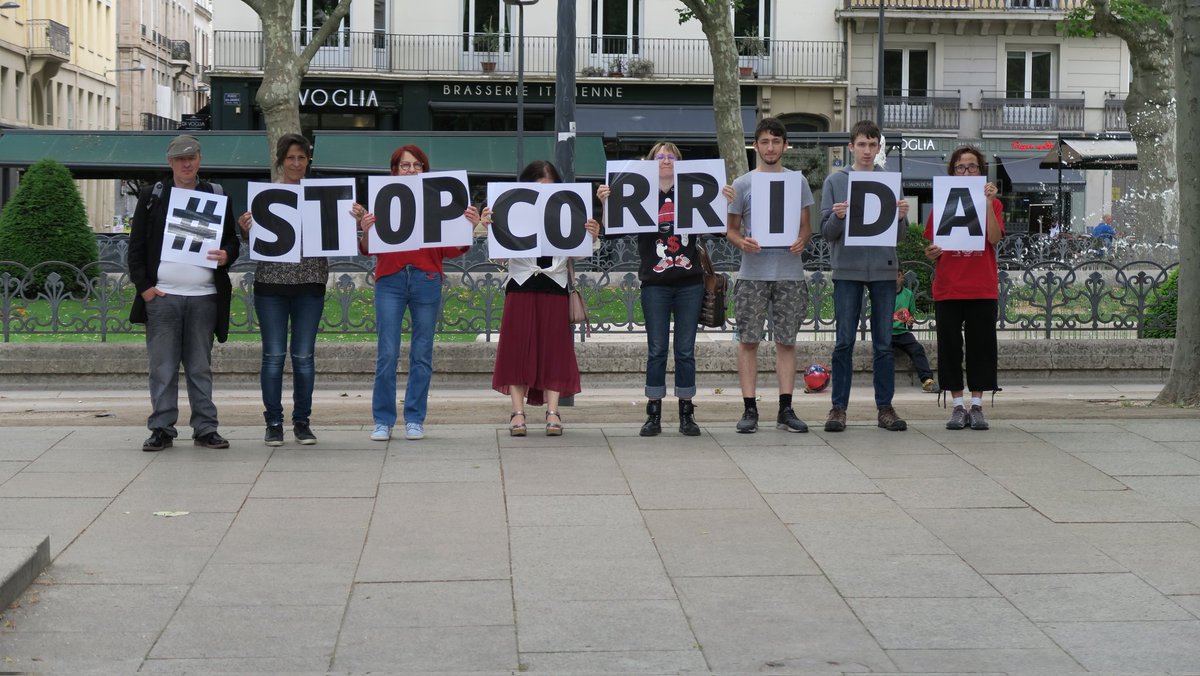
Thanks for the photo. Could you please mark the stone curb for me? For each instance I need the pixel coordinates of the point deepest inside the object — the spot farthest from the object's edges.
(22, 558)
(1021, 360)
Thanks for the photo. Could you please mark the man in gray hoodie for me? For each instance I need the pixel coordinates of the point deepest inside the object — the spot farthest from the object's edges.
(856, 268)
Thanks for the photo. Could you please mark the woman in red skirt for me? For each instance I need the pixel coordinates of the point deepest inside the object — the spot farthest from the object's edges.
(535, 360)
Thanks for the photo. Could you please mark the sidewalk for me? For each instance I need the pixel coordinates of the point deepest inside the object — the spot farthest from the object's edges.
(1065, 539)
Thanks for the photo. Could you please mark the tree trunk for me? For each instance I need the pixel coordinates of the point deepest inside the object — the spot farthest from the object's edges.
(284, 69)
(717, 24)
(1150, 111)
(1183, 385)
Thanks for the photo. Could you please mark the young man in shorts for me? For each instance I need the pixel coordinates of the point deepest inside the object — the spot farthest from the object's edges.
(770, 281)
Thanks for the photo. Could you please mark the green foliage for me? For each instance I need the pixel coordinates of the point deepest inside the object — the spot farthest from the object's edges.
(1079, 22)
(1162, 317)
(911, 254)
(46, 221)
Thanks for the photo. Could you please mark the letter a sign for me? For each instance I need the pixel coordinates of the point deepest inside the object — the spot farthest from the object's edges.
(959, 207)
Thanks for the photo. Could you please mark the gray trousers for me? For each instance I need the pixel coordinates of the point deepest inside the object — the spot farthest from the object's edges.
(179, 329)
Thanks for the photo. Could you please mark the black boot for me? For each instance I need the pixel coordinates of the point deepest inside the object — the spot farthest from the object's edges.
(653, 425)
(687, 419)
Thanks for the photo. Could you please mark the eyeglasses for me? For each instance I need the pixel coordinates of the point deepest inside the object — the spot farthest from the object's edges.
(410, 166)
(963, 169)
(663, 157)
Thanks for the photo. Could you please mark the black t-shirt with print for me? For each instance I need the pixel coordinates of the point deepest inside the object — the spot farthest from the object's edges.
(668, 259)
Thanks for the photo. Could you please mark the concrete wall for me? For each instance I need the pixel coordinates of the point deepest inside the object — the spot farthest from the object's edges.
(124, 364)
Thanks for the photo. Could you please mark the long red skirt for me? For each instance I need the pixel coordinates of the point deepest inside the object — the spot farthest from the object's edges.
(537, 348)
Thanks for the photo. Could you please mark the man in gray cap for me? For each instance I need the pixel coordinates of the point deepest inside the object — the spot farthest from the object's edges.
(183, 306)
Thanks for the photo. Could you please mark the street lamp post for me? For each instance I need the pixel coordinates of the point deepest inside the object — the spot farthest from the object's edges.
(879, 80)
(520, 4)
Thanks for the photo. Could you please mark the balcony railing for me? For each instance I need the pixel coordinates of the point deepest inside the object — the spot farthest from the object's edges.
(1114, 112)
(970, 5)
(181, 50)
(1058, 111)
(594, 55)
(152, 122)
(49, 38)
(937, 111)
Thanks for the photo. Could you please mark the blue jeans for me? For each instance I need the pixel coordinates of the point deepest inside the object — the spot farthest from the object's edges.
(659, 303)
(847, 306)
(420, 293)
(179, 330)
(274, 315)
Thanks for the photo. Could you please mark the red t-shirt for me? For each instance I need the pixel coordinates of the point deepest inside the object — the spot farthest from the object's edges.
(967, 275)
(429, 259)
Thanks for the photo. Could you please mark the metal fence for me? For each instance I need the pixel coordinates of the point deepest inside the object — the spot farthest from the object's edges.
(1060, 288)
(596, 55)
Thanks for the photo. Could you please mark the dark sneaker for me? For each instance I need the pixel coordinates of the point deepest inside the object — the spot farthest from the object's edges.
(975, 418)
(836, 420)
(749, 422)
(274, 435)
(159, 439)
(788, 422)
(303, 433)
(889, 420)
(212, 440)
(958, 419)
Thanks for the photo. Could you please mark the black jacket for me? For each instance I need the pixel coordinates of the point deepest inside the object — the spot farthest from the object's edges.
(145, 252)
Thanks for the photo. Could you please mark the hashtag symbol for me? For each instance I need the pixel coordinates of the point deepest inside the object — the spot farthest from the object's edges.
(192, 226)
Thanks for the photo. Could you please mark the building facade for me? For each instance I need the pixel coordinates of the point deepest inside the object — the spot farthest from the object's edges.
(452, 66)
(998, 74)
(55, 62)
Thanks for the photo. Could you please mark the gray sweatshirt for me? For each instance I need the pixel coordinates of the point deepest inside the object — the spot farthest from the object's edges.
(853, 263)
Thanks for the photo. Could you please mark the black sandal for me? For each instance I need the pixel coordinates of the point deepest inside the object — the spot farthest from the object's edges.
(516, 430)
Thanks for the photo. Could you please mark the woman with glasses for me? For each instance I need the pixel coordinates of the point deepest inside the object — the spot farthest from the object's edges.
(672, 287)
(288, 293)
(965, 292)
(409, 280)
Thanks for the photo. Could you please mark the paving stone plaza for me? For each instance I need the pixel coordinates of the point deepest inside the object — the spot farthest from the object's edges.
(1043, 546)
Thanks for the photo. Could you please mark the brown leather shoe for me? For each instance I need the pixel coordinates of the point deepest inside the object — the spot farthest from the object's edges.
(836, 420)
(889, 420)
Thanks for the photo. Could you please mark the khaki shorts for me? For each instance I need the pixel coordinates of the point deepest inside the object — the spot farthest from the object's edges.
(787, 302)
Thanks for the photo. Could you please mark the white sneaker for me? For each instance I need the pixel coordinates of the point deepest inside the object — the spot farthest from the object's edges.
(414, 431)
(381, 433)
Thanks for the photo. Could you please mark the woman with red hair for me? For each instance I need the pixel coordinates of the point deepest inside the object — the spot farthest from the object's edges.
(409, 280)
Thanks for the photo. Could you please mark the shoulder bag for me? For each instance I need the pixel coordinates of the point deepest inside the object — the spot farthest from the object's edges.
(712, 308)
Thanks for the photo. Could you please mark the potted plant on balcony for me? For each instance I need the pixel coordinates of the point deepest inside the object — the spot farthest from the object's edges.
(752, 46)
(616, 67)
(639, 67)
(487, 45)
(592, 71)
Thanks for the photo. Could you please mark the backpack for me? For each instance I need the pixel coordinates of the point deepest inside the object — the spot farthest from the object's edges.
(158, 191)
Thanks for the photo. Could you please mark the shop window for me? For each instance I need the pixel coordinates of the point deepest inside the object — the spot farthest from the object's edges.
(498, 121)
(616, 26)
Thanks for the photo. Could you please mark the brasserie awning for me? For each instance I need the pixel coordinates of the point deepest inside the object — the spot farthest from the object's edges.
(1092, 154)
(1026, 176)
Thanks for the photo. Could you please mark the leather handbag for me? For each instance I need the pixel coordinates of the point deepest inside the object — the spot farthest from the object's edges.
(577, 306)
(712, 308)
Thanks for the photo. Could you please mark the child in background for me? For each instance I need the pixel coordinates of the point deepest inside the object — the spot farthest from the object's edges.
(903, 339)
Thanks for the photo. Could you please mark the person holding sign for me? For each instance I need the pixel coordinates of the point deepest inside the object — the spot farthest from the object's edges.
(288, 293)
(672, 286)
(770, 279)
(182, 305)
(857, 268)
(535, 360)
(966, 288)
(409, 280)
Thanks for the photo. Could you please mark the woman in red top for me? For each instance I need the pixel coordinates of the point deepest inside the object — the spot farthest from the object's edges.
(412, 280)
(965, 291)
